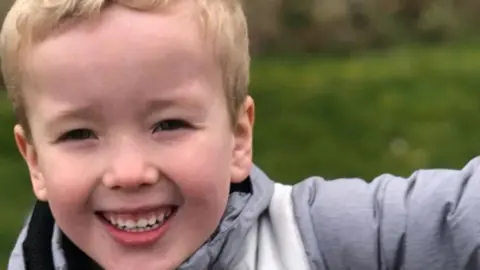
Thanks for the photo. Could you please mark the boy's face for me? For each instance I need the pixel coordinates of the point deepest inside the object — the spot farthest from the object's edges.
(130, 124)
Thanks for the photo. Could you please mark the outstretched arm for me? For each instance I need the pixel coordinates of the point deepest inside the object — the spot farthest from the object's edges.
(429, 221)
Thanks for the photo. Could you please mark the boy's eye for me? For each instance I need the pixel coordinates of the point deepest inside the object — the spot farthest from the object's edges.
(170, 125)
(77, 135)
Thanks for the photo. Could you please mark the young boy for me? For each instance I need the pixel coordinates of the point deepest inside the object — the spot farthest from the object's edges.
(136, 126)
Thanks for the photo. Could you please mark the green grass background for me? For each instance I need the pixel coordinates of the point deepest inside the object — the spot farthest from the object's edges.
(394, 111)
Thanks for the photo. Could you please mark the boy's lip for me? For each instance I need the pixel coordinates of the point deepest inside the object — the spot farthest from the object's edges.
(137, 238)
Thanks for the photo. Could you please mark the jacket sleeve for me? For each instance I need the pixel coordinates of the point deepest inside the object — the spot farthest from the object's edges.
(430, 220)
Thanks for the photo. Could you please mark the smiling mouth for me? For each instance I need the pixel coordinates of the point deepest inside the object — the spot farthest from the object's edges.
(138, 222)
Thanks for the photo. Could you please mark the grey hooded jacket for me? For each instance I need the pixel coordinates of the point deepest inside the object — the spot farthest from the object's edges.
(430, 220)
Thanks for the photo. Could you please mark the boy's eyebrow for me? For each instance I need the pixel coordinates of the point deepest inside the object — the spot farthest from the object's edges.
(163, 103)
(80, 112)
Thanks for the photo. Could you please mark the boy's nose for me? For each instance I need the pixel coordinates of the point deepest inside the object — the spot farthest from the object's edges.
(129, 169)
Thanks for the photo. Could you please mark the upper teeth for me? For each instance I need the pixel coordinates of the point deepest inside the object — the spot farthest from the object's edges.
(147, 222)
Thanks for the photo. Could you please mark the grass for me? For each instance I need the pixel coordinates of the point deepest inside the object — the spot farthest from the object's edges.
(393, 111)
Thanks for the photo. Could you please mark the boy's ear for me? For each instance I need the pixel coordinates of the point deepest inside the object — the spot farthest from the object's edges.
(29, 154)
(242, 151)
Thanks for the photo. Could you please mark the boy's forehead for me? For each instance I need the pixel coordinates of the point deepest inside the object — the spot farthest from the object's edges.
(119, 29)
(124, 50)
(124, 40)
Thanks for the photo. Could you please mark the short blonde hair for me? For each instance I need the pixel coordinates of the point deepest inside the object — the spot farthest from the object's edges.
(30, 21)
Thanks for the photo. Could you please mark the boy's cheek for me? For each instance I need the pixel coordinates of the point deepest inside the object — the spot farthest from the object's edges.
(63, 174)
(197, 165)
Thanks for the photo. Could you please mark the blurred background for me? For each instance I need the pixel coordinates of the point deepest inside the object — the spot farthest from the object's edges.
(344, 88)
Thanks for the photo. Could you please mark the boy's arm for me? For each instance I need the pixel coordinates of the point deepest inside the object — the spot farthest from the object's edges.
(429, 221)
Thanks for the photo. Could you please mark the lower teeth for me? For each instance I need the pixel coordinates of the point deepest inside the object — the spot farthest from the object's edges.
(137, 229)
(145, 229)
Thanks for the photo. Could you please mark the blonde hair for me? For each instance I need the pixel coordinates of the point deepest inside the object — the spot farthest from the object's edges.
(30, 21)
